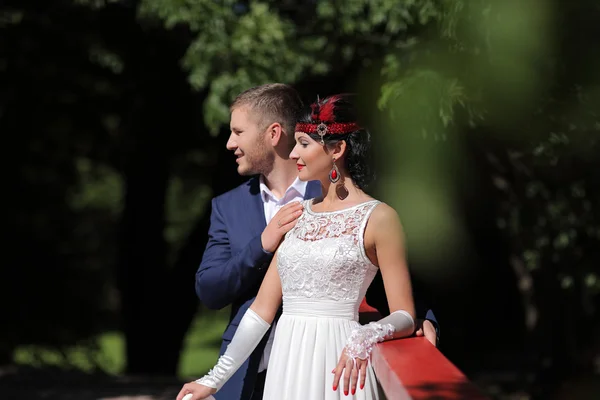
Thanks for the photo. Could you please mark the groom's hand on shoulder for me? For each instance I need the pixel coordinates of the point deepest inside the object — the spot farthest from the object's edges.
(280, 224)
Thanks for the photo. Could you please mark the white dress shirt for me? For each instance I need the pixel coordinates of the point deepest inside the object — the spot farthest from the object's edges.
(271, 205)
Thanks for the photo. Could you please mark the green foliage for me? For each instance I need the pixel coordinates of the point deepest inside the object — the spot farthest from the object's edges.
(234, 50)
(186, 204)
(495, 74)
(100, 188)
(238, 46)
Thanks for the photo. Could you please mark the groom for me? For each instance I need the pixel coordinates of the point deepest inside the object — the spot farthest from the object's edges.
(249, 222)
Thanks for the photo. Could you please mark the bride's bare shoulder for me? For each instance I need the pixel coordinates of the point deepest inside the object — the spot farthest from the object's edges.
(385, 216)
(383, 210)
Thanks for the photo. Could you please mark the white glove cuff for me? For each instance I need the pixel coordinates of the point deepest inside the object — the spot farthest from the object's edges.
(249, 333)
(362, 339)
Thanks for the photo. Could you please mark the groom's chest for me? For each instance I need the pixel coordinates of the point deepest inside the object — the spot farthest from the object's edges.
(244, 220)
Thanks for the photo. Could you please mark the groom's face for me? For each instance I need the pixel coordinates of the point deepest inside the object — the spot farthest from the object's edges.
(249, 142)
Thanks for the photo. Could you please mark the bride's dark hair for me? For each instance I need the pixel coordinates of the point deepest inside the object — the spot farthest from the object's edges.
(340, 110)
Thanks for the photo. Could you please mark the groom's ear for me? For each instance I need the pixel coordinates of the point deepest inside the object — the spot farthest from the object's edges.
(275, 133)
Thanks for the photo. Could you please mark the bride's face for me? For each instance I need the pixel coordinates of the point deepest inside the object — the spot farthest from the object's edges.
(313, 160)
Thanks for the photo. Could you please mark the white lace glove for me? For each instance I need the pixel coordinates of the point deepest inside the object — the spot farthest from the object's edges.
(362, 339)
(251, 330)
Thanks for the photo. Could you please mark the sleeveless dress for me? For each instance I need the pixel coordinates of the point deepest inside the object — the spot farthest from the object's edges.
(325, 274)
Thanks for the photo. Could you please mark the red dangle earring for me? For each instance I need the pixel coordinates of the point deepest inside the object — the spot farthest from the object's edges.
(334, 174)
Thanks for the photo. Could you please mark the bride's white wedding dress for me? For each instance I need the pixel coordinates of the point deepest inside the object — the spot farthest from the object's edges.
(325, 274)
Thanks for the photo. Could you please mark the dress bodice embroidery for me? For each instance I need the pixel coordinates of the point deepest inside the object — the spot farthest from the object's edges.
(323, 256)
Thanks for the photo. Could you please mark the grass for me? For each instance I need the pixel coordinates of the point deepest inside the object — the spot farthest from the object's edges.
(199, 353)
(201, 346)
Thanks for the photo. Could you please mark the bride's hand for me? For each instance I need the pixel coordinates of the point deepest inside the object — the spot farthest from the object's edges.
(195, 391)
(353, 370)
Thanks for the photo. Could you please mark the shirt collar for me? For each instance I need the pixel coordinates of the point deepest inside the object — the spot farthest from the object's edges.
(298, 187)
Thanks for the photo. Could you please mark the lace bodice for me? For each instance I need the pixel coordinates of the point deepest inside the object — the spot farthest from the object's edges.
(323, 256)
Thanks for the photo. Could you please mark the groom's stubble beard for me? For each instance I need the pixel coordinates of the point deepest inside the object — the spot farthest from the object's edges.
(260, 159)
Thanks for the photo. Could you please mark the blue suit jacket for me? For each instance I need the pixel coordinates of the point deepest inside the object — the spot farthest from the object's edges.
(233, 266)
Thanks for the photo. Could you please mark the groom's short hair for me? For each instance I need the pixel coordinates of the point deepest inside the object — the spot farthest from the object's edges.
(273, 102)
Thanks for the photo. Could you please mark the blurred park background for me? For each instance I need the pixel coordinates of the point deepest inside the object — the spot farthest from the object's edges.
(113, 119)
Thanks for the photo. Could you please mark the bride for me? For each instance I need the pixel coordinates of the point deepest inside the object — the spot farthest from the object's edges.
(321, 272)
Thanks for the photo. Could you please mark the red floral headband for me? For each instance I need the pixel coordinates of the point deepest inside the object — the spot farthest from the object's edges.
(324, 118)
